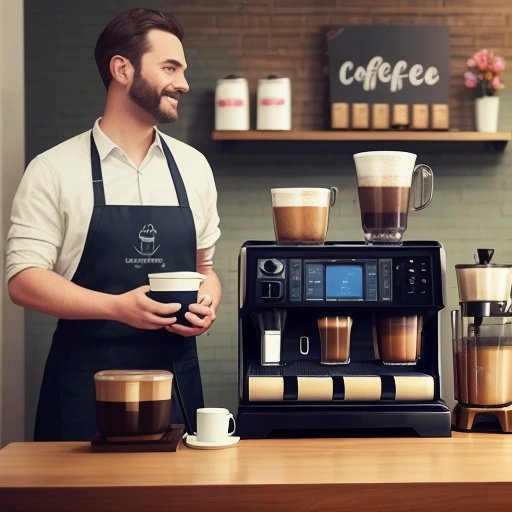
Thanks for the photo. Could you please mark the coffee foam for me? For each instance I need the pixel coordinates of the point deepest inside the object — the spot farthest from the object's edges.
(297, 197)
(133, 386)
(384, 168)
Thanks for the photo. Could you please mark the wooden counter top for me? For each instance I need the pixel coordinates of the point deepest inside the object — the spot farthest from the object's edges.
(465, 472)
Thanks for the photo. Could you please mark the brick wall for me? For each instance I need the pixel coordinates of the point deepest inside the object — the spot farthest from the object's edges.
(253, 39)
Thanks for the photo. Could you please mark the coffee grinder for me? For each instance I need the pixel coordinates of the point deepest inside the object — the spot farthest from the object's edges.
(482, 345)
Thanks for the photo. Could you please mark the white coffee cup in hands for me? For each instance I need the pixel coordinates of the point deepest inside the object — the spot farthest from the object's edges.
(213, 425)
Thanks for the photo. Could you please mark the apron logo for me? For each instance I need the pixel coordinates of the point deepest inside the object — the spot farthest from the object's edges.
(146, 247)
(147, 236)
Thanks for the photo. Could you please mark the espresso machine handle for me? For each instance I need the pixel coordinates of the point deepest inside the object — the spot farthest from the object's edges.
(422, 186)
(304, 345)
(334, 195)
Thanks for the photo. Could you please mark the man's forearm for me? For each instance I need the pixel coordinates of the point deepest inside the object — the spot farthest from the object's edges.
(47, 292)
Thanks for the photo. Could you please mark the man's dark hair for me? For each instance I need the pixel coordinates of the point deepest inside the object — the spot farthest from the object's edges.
(126, 35)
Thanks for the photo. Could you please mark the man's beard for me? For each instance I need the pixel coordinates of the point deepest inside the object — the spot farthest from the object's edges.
(149, 99)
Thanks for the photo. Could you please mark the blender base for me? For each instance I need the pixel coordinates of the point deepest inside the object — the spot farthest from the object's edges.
(463, 417)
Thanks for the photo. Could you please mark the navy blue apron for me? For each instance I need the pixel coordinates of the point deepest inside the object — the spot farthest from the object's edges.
(123, 245)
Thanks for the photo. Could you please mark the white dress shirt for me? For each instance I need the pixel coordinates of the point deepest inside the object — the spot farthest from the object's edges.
(53, 205)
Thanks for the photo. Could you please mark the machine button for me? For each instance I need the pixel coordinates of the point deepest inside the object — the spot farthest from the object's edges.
(371, 294)
(410, 289)
(424, 281)
(272, 266)
(411, 281)
(295, 294)
(271, 290)
(385, 294)
(385, 279)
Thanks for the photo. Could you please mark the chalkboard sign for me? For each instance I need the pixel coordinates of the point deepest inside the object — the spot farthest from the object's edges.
(389, 64)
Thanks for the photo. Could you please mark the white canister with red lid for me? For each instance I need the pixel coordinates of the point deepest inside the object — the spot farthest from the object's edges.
(274, 109)
(232, 104)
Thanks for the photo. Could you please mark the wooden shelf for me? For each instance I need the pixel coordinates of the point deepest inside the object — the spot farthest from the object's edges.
(339, 135)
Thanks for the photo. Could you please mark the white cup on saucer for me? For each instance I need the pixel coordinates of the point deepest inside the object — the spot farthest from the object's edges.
(213, 425)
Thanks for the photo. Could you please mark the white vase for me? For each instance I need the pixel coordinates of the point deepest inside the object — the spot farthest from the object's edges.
(487, 109)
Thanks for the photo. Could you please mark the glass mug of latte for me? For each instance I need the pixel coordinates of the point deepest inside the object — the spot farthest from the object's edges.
(384, 180)
(301, 215)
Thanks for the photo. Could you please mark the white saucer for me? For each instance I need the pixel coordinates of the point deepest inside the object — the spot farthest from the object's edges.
(192, 442)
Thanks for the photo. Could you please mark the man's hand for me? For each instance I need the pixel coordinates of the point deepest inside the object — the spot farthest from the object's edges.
(200, 315)
(49, 293)
(135, 308)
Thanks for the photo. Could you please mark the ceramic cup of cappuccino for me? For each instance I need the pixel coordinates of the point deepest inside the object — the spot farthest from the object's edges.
(384, 180)
(335, 339)
(398, 338)
(133, 403)
(301, 215)
(180, 287)
(213, 424)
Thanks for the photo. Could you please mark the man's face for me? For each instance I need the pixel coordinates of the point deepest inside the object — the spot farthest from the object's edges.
(160, 80)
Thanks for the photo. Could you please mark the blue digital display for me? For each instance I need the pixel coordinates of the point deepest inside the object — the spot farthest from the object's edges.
(344, 282)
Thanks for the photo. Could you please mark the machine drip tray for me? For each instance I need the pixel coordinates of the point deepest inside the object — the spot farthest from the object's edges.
(306, 381)
(308, 368)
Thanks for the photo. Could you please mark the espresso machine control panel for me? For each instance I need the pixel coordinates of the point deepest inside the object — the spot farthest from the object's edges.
(302, 280)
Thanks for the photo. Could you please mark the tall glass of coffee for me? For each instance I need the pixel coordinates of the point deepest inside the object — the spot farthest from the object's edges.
(384, 180)
(301, 215)
(398, 338)
(335, 339)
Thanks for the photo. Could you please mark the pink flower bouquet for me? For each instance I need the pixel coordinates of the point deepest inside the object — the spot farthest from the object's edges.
(484, 74)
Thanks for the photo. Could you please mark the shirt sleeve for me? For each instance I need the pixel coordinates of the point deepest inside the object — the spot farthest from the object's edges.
(210, 232)
(204, 258)
(35, 236)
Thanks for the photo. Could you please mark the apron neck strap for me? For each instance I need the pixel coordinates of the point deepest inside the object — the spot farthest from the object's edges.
(181, 193)
(97, 178)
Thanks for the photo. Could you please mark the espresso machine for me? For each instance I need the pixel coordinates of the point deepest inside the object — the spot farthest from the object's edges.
(314, 325)
(482, 346)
